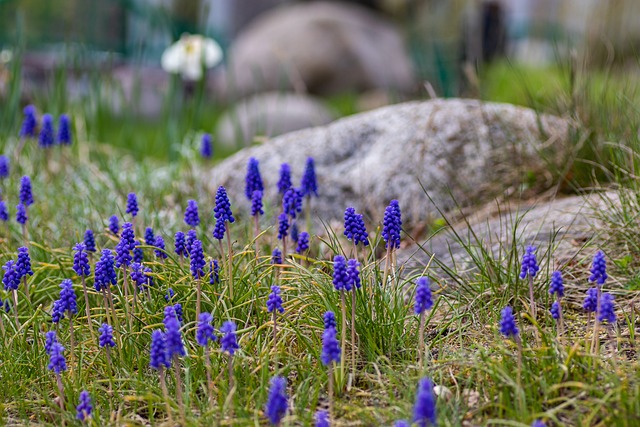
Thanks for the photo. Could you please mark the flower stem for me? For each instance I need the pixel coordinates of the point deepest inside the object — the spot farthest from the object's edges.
(421, 341)
(353, 331)
(532, 300)
(165, 394)
(86, 305)
(176, 367)
(15, 308)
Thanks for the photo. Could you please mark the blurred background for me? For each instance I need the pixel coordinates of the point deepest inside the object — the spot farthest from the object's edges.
(291, 64)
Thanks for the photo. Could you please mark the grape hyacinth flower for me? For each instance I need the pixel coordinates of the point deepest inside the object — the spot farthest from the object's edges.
(106, 336)
(295, 233)
(191, 236)
(4, 212)
(123, 253)
(256, 211)
(26, 194)
(607, 313)
(174, 348)
(284, 183)
(178, 309)
(224, 217)
(64, 130)
(23, 268)
(132, 204)
(214, 272)
(138, 275)
(170, 294)
(158, 355)
(555, 310)
(283, 231)
(391, 228)
(276, 256)
(84, 408)
(277, 402)
(89, 241)
(599, 269)
(330, 347)
(342, 283)
(149, 237)
(81, 260)
(402, 423)
(45, 139)
(4, 167)
(204, 335)
(29, 123)
(274, 305)
(58, 364)
(330, 353)
(49, 340)
(508, 326)
(105, 273)
(556, 287)
(590, 304)
(322, 419)
(159, 252)
(11, 281)
(206, 147)
(138, 253)
(329, 320)
(529, 269)
(159, 360)
(197, 270)
(253, 180)
(114, 225)
(180, 245)
(229, 344)
(303, 242)
(424, 410)
(354, 228)
(538, 423)
(67, 304)
(423, 303)
(191, 217)
(57, 311)
(21, 215)
(309, 185)
(292, 202)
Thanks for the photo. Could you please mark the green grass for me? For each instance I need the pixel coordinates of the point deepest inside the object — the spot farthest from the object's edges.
(76, 188)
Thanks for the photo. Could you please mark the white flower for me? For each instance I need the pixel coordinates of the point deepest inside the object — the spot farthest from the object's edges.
(189, 55)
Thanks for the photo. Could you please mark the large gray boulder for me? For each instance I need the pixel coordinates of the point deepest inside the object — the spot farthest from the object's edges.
(270, 114)
(320, 48)
(462, 151)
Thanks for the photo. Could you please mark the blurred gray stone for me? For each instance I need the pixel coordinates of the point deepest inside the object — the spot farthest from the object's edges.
(462, 151)
(320, 48)
(269, 115)
(561, 227)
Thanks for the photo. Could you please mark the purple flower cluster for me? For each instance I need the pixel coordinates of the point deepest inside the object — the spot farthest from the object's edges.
(284, 183)
(341, 280)
(89, 241)
(197, 260)
(84, 408)
(181, 245)
(607, 313)
(29, 123)
(222, 213)
(590, 303)
(423, 295)
(508, 326)
(158, 354)
(173, 336)
(354, 228)
(276, 256)
(4, 167)
(205, 332)
(149, 237)
(214, 272)
(132, 204)
(599, 269)
(256, 203)
(114, 224)
(21, 214)
(23, 265)
(392, 225)
(353, 273)
(292, 202)
(283, 226)
(64, 130)
(557, 285)
(191, 216)
(274, 302)
(253, 180)
(424, 411)
(206, 147)
(303, 242)
(26, 194)
(105, 273)
(57, 362)
(45, 139)
(106, 336)
(277, 402)
(555, 310)
(81, 260)
(330, 345)
(11, 279)
(309, 184)
(159, 252)
(4, 212)
(529, 263)
(229, 342)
